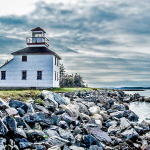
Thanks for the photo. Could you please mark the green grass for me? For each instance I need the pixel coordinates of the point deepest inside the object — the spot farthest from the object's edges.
(27, 94)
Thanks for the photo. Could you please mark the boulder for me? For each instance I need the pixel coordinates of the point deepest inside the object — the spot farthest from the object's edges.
(132, 116)
(124, 123)
(94, 110)
(66, 134)
(21, 112)
(35, 135)
(97, 117)
(69, 120)
(30, 108)
(3, 128)
(10, 123)
(18, 104)
(100, 135)
(54, 97)
(11, 111)
(84, 117)
(130, 134)
(73, 147)
(3, 104)
(51, 132)
(118, 114)
(74, 108)
(83, 108)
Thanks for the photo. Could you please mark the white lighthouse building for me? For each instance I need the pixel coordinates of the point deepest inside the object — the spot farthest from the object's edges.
(35, 66)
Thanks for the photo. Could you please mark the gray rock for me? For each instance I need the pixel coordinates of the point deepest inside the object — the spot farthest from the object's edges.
(3, 104)
(41, 108)
(21, 112)
(95, 147)
(83, 108)
(54, 98)
(66, 134)
(35, 135)
(124, 123)
(132, 116)
(69, 120)
(20, 132)
(130, 134)
(73, 147)
(3, 128)
(10, 123)
(100, 135)
(30, 108)
(118, 114)
(94, 110)
(18, 104)
(11, 111)
(51, 132)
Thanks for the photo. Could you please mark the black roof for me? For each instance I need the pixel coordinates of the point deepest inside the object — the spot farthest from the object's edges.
(35, 50)
(38, 29)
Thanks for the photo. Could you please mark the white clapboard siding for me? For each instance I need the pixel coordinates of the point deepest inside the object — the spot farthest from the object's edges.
(44, 63)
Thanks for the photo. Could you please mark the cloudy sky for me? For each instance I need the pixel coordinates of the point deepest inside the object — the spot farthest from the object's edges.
(106, 41)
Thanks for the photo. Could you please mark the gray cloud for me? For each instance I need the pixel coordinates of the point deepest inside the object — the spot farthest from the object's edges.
(107, 42)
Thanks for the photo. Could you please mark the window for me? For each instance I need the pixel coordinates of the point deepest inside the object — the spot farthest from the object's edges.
(24, 75)
(3, 75)
(55, 60)
(55, 75)
(39, 75)
(24, 58)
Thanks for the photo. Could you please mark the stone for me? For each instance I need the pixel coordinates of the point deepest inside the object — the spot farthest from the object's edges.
(53, 97)
(94, 110)
(90, 140)
(73, 147)
(21, 112)
(18, 104)
(118, 114)
(74, 108)
(20, 132)
(3, 128)
(10, 123)
(63, 125)
(130, 134)
(3, 104)
(97, 117)
(84, 117)
(69, 120)
(95, 147)
(124, 123)
(100, 135)
(83, 108)
(132, 116)
(66, 134)
(54, 119)
(51, 132)
(35, 135)
(30, 108)
(11, 111)
(41, 108)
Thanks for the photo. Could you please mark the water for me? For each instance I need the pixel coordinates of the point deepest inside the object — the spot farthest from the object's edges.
(142, 109)
(145, 93)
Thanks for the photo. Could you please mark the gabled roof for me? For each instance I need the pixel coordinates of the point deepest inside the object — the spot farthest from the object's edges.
(38, 29)
(6, 62)
(36, 51)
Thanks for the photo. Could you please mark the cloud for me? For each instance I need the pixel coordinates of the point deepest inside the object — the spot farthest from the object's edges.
(107, 42)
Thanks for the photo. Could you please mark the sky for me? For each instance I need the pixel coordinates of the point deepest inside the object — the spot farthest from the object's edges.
(106, 41)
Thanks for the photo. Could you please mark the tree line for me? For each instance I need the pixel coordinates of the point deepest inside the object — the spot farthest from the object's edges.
(70, 80)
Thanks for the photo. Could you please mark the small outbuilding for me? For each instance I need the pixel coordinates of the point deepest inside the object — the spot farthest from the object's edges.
(35, 66)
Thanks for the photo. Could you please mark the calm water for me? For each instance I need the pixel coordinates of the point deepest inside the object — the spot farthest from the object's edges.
(142, 109)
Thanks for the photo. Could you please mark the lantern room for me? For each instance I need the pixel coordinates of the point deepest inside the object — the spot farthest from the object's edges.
(38, 38)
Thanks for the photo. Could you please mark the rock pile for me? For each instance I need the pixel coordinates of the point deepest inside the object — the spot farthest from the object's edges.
(94, 120)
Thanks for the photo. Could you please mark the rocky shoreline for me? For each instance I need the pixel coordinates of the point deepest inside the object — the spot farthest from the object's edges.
(95, 120)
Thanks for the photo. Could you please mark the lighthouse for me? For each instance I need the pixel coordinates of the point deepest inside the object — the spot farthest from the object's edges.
(35, 66)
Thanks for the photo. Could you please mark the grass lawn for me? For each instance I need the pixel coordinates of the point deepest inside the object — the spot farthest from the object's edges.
(26, 94)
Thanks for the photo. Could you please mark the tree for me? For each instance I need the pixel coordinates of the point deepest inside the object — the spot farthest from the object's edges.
(66, 80)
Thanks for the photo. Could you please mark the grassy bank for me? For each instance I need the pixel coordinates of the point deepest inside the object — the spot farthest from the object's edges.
(26, 94)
